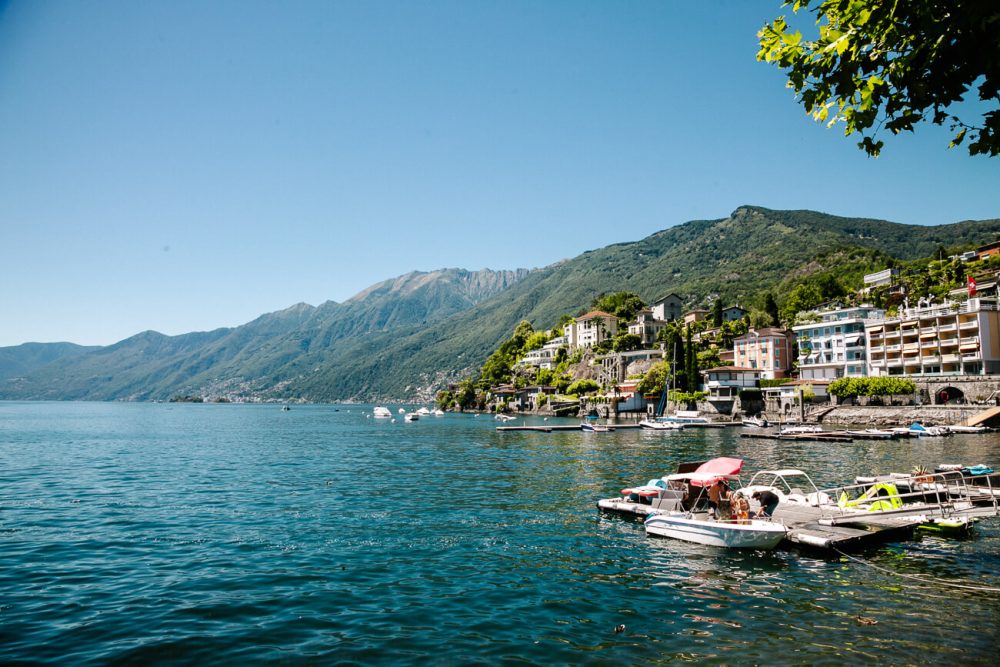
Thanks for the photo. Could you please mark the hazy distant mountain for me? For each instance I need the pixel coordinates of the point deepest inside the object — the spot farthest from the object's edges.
(407, 336)
(27, 358)
(253, 359)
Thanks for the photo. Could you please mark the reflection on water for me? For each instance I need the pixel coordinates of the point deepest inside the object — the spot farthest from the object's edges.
(141, 533)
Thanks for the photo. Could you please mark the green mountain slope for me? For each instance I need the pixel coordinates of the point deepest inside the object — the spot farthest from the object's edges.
(737, 257)
(256, 359)
(29, 357)
(408, 336)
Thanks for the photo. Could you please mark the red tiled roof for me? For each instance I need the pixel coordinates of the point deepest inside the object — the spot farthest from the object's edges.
(592, 314)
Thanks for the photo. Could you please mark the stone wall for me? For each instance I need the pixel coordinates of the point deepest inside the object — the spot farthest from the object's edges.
(927, 415)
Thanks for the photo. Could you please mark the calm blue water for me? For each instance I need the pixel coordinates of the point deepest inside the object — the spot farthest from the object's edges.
(221, 534)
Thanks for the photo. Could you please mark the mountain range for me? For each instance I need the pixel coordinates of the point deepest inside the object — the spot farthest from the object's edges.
(406, 337)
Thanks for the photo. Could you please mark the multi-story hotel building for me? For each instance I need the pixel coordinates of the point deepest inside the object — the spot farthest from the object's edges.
(947, 339)
(767, 350)
(835, 346)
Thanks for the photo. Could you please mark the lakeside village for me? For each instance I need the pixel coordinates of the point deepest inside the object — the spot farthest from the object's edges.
(880, 360)
(900, 349)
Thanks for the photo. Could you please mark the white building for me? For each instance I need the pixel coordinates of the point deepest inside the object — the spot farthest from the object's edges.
(835, 346)
(591, 329)
(646, 327)
(667, 308)
(952, 338)
(726, 382)
(545, 356)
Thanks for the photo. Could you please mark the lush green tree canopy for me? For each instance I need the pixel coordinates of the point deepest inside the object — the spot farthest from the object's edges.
(623, 305)
(655, 379)
(889, 64)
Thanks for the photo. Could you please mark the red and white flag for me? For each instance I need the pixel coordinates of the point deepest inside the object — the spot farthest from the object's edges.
(972, 287)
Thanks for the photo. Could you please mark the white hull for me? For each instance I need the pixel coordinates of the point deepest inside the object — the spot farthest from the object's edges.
(661, 426)
(382, 413)
(753, 535)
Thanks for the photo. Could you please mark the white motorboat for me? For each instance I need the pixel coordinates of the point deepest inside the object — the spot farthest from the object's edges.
(798, 430)
(661, 426)
(439, 412)
(423, 412)
(959, 428)
(594, 428)
(754, 534)
(411, 417)
(686, 417)
(755, 422)
(381, 412)
(701, 528)
(504, 418)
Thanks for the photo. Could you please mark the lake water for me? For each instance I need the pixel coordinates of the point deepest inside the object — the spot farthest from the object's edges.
(221, 534)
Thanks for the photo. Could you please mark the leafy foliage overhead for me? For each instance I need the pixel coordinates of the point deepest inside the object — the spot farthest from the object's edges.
(890, 64)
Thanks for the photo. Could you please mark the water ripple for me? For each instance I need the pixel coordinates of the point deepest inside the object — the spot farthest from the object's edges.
(223, 534)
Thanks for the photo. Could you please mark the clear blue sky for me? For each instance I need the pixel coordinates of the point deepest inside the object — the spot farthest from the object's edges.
(180, 165)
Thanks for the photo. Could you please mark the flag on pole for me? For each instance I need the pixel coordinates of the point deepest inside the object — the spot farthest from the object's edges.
(972, 287)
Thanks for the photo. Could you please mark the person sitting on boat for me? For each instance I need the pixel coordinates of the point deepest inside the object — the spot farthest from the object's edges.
(768, 503)
(741, 508)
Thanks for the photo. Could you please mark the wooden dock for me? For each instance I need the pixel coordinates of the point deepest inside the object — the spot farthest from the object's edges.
(548, 428)
(827, 436)
(808, 527)
(982, 417)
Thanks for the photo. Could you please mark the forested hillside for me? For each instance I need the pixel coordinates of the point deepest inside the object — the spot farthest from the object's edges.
(406, 337)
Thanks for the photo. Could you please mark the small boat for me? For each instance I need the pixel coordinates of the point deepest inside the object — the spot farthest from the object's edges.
(504, 418)
(700, 528)
(873, 434)
(423, 412)
(918, 429)
(411, 417)
(381, 412)
(285, 408)
(798, 430)
(686, 417)
(669, 495)
(958, 428)
(661, 426)
(594, 428)
(755, 422)
(955, 526)
(439, 412)
(754, 534)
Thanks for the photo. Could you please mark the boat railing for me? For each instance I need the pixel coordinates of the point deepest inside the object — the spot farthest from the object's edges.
(940, 494)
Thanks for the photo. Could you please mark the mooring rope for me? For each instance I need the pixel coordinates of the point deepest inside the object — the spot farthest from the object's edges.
(932, 582)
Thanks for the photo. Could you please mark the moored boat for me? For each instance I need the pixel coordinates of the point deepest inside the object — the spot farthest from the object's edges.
(754, 534)
(661, 426)
(703, 528)
(381, 412)
(594, 428)
(800, 429)
(918, 429)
